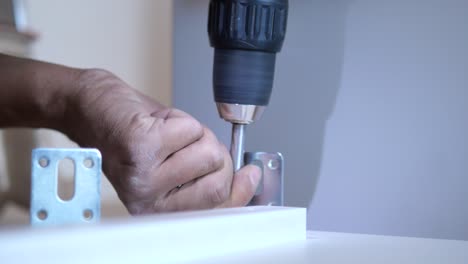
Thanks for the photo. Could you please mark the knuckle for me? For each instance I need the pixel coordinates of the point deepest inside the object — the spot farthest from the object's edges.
(134, 209)
(93, 76)
(214, 157)
(213, 151)
(196, 127)
(94, 73)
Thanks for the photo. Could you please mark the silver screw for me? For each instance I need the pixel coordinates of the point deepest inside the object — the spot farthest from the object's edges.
(273, 164)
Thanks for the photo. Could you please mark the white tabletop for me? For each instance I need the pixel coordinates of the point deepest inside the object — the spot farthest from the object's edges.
(329, 247)
(236, 235)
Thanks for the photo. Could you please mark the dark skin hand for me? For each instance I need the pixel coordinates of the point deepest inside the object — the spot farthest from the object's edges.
(148, 149)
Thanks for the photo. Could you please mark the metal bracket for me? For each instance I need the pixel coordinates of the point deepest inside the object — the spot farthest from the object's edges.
(270, 191)
(46, 206)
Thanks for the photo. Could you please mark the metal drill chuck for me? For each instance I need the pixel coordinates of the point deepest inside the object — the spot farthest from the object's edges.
(246, 35)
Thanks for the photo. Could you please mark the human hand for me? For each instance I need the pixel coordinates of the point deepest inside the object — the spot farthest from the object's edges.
(158, 159)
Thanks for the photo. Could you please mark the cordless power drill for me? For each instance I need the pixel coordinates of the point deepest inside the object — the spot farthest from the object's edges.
(245, 35)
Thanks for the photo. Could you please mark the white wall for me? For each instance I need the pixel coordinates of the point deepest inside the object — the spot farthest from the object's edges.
(369, 108)
(395, 157)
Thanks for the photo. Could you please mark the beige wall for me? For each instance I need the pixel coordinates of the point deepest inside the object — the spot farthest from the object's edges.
(130, 38)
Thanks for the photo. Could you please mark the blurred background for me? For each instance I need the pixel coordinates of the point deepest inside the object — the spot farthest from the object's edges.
(369, 105)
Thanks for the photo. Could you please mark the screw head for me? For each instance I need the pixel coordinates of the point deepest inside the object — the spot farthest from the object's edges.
(273, 164)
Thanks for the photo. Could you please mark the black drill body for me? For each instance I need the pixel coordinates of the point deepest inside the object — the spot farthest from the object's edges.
(246, 35)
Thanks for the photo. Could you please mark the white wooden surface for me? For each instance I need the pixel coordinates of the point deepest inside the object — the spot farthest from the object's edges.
(241, 235)
(328, 248)
(179, 237)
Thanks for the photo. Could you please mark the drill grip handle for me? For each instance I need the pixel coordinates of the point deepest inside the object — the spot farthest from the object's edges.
(246, 35)
(258, 25)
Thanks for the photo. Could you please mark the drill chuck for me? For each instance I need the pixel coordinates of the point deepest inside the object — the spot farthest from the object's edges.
(246, 35)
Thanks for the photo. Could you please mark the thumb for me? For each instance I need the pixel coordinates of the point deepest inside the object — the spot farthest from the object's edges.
(244, 186)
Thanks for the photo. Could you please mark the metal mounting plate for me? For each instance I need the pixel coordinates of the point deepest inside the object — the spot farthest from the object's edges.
(46, 206)
(270, 191)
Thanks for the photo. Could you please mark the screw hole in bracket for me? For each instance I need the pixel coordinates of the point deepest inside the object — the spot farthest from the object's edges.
(88, 163)
(42, 214)
(66, 179)
(88, 214)
(43, 162)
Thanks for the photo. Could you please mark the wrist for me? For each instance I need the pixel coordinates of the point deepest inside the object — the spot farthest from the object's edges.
(76, 114)
(58, 105)
(103, 107)
(94, 111)
(35, 93)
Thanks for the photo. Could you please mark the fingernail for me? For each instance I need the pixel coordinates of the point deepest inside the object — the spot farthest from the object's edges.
(257, 178)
